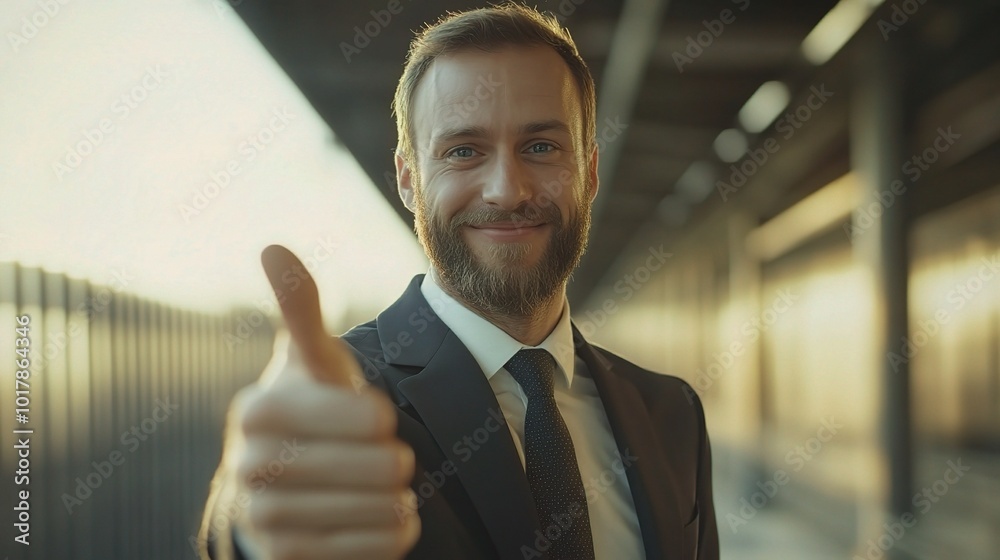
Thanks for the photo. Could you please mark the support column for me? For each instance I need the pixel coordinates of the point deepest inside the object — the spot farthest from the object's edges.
(876, 155)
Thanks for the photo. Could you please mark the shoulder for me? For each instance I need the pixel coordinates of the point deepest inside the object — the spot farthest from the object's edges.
(364, 338)
(364, 341)
(660, 391)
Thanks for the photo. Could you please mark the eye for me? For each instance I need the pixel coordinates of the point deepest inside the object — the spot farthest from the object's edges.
(461, 152)
(541, 148)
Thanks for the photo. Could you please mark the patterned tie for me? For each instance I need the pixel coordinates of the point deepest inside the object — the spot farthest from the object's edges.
(550, 463)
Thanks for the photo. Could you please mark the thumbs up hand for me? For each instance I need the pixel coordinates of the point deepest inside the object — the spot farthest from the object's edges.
(315, 451)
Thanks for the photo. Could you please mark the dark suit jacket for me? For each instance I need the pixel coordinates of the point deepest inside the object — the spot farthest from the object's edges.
(474, 497)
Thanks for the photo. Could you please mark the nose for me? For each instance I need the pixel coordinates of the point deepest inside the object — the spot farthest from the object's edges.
(508, 185)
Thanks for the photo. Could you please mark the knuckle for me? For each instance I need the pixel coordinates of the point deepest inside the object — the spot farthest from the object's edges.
(252, 465)
(246, 468)
(287, 549)
(262, 514)
(238, 405)
(402, 463)
(406, 536)
(382, 414)
(407, 498)
(258, 410)
(397, 542)
(405, 505)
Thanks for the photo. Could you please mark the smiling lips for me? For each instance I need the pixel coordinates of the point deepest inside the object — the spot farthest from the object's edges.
(510, 230)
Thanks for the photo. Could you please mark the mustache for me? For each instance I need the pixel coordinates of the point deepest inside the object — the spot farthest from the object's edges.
(548, 214)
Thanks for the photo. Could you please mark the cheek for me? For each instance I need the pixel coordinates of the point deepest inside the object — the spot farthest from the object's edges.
(447, 197)
(571, 203)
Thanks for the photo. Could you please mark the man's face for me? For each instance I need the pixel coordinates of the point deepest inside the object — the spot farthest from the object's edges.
(502, 188)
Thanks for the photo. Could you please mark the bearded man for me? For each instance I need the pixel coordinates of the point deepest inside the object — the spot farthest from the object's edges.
(470, 419)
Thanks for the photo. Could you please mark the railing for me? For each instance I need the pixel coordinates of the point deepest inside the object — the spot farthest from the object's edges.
(125, 405)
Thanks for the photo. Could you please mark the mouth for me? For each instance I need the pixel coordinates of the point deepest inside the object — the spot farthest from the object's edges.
(510, 230)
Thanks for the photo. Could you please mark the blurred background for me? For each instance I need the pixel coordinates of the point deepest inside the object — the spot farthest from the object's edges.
(799, 214)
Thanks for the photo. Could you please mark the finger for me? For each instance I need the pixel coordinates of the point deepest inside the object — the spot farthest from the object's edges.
(361, 544)
(279, 357)
(318, 412)
(327, 359)
(300, 304)
(330, 510)
(299, 463)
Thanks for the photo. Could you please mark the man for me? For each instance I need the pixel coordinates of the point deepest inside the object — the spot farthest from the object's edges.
(470, 420)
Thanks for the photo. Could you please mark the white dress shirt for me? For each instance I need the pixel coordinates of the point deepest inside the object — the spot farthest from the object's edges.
(613, 520)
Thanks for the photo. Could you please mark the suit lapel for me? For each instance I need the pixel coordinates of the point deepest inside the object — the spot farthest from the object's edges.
(652, 481)
(459, 409)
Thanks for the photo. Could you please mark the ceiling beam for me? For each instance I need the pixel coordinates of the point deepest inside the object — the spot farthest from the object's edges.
(749, 47)
(633, 44)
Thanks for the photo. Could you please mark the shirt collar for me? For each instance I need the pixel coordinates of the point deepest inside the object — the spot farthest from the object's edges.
(489, 344)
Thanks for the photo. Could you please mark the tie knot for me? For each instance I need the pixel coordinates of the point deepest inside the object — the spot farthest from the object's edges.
(532, 368)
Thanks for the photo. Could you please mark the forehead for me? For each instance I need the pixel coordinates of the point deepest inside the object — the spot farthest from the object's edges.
(507, 87)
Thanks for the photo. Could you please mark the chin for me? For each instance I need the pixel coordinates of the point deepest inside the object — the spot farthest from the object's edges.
(520, 255)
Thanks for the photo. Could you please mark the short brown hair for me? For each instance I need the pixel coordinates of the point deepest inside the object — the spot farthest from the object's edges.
(488, 29)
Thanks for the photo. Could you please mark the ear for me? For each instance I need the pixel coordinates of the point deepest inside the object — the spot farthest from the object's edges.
(592, 170)
(404, 182)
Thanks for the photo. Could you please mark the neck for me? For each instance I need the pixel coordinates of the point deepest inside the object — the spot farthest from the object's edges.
(530, 329)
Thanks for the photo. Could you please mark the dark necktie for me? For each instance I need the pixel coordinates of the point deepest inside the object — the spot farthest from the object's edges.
(550, 463)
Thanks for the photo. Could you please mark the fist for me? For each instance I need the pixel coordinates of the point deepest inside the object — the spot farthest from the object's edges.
(314, 450)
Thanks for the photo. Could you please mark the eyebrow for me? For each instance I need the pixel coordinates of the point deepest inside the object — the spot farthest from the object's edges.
(450, 134)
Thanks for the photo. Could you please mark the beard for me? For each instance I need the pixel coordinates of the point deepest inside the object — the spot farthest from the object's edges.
(504, 283)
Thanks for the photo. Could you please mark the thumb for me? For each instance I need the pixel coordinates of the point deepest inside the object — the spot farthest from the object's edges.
(325, 356)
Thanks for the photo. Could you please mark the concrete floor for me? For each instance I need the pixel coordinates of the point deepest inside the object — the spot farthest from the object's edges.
(964, 524)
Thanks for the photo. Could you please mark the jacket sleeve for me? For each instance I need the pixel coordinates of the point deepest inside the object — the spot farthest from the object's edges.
(217, 539)
(708, 530)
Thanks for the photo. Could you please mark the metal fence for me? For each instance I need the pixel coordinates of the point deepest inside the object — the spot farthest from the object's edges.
(125, 401)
